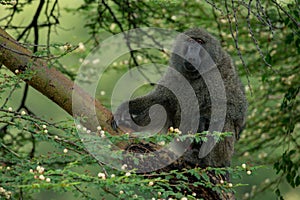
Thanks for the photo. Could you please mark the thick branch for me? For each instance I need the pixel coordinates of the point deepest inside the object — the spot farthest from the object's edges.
(60, 89)
(53, 83)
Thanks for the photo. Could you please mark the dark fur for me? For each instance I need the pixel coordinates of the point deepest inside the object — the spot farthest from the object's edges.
(236, 102)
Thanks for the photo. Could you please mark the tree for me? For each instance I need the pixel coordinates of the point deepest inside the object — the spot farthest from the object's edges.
(263, 38)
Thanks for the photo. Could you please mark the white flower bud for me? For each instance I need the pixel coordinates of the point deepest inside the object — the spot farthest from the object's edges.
(67, 47)
(42, 177)
(102, 134)
(244, 166)
(151, 183)
(81, 47)
(102, 175)
(41, 170)
(223, 21)
(246, 154)
(267, 181)
(112, 26)
(124, 167)
(127, 174)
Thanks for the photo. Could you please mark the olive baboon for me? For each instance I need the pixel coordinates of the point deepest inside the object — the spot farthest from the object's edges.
(198, 57)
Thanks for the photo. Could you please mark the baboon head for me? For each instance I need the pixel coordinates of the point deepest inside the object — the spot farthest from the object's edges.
(195, 51)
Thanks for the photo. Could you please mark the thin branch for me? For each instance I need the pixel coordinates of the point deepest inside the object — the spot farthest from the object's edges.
(253, 37)
(235, 37)
(286, 13)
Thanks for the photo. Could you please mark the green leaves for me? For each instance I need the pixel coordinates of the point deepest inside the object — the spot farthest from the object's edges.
(287, 166)
(289, 38)
(278, 194)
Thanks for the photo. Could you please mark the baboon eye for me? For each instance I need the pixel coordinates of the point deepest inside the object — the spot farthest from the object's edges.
(200, 41)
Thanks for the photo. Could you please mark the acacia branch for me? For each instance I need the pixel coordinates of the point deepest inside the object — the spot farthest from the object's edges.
(53, 84)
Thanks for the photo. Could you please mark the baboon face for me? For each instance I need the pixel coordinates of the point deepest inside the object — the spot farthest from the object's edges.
(194, 52)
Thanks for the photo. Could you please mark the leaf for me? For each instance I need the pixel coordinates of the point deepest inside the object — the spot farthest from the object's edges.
(277, 192)
(297, 43)
(205, 177)
(290, 179)
(277, 166)
(297, 181)
(268, 58)
(289, 38)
